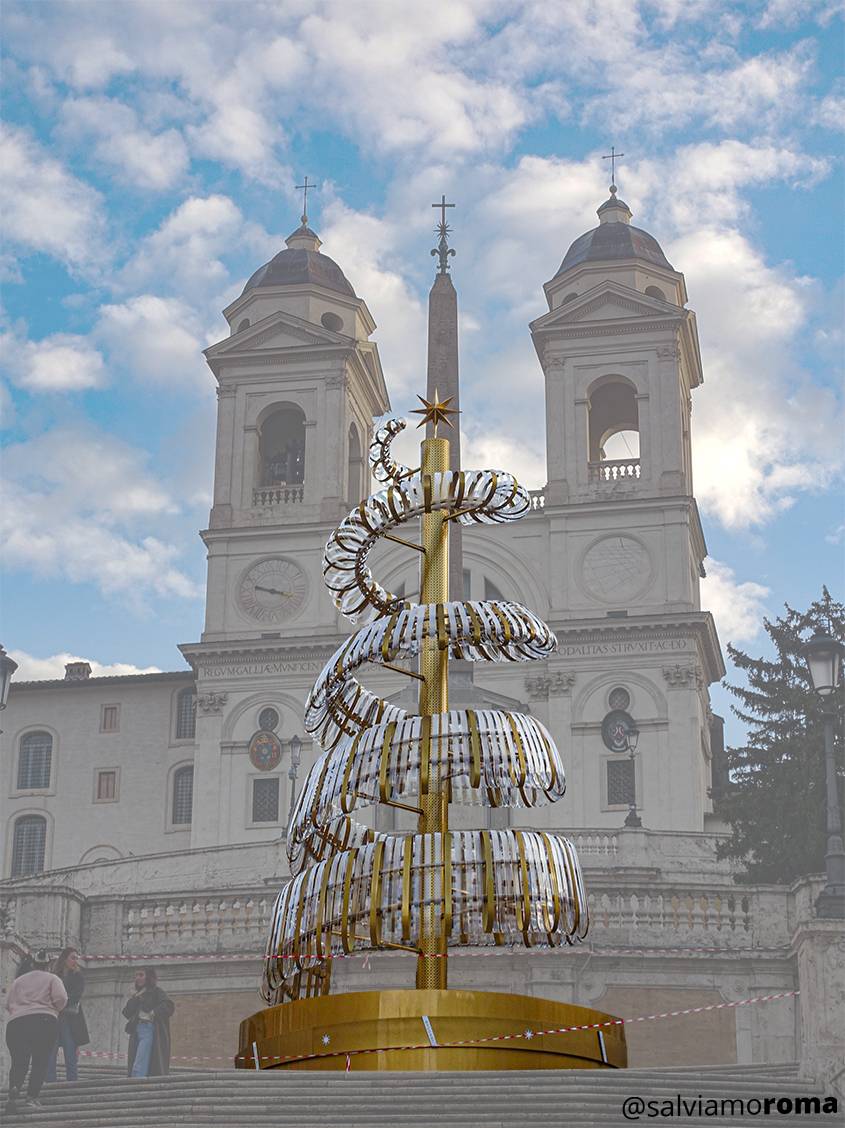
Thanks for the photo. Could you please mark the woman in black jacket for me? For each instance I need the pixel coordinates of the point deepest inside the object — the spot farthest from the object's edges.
(73, 1030)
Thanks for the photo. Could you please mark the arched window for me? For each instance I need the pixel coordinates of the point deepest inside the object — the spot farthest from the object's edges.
(28, 845)
(568, 298)
(614, 430)
(243, 325)
(355, 467)
(281, 446)
(35, 761)
(186, 714)
(183, 796)
(655, 292)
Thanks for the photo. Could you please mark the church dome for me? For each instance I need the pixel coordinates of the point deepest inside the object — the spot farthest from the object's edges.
(301, 263)
(614, 239)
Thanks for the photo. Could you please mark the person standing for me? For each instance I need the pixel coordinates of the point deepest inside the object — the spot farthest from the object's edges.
(148, 1011)
(73, 1029)
(34, 1002)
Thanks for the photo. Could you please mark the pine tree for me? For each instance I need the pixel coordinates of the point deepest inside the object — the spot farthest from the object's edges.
(775, 801)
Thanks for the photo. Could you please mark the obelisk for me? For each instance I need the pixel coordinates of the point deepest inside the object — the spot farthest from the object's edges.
(442, 379)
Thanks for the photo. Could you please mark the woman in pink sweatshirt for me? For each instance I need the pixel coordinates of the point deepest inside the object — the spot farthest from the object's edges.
(33, 1002)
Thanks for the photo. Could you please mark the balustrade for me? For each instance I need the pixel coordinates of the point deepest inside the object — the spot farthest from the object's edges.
(267, 496)
(614, 470)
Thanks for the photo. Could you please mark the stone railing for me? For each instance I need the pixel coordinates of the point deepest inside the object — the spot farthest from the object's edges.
(538, 499)
(278, 495)
(595, 842)
(614, 469)
(216, 923)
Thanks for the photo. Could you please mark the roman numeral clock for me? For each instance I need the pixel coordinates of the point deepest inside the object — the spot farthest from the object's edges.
(273, 590)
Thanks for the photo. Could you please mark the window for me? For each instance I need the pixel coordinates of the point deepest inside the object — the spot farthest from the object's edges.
(30, 839)
(106, 790)
(614, 424)
(243, 325)
(467, 578)
(655, 292)
(110, 718)
(186, 715)
(621, 789)
(619, 698)
(265, 799)
(183, 796)
(35, 761)
(268, 719)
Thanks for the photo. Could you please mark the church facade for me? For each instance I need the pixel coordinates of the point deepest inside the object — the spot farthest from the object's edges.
(144, 816)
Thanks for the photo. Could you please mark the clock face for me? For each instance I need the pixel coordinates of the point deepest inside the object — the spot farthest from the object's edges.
(273, 590)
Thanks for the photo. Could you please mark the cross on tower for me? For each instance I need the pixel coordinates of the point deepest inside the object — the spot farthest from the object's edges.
(613, 157)
(304, 189)
(443, 206)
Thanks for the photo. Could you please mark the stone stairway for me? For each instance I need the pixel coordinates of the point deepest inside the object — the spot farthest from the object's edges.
(542, 1099)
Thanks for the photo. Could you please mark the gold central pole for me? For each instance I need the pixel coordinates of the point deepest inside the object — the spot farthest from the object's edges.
(434, 698)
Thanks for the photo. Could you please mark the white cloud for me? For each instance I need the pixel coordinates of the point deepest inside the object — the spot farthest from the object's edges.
(737, 607)
(367, 247)
(63, 362)
(47, 209)
(184, 254)
(31, 668)
(78, 505)
(160, 340)
(109, 133)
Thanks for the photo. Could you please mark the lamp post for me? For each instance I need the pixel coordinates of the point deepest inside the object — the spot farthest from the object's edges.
(632, 737)
(7, 668)
(295, 759)
(824, 660)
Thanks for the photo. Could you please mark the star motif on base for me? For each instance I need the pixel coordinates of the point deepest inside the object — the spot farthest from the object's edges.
(326, 1039)
(529, 1033)
(435, 411)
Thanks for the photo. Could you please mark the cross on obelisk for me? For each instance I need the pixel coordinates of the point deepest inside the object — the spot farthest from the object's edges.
(443, 251)
(304, 189)
(613, 157)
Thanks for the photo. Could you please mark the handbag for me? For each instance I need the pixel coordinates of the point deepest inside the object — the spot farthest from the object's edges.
(77, 1025)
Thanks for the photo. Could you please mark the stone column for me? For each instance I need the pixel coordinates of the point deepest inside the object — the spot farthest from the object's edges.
(819, 949)
(221, 514)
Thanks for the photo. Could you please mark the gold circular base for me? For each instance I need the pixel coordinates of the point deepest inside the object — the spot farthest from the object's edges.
(384, 1030)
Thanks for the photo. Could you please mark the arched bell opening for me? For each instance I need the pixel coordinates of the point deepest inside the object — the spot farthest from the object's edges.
(614, 430)
(281, 447)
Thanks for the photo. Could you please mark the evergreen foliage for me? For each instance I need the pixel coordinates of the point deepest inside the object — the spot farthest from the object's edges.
(775, 801)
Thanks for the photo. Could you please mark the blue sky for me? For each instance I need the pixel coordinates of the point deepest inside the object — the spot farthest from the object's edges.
(150, 154)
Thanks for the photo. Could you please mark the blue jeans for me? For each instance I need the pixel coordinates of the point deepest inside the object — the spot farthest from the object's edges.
(69, 1053)
(143, 1053)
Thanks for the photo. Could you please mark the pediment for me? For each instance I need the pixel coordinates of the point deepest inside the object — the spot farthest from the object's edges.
(278, 331)
(609, 301)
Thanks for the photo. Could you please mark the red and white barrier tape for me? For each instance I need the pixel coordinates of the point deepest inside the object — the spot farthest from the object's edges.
(504, 1037)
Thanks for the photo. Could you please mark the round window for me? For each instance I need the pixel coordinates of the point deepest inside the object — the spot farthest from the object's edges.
(619, 698)
(332, 321)
(268, 719)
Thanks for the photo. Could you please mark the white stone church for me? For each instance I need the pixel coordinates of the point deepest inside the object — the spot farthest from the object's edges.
(144, 816)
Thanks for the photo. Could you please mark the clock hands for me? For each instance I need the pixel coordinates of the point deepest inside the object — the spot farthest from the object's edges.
(272, 591)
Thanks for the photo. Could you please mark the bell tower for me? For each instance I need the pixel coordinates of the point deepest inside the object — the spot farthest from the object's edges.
(298, 384)
(620, 354)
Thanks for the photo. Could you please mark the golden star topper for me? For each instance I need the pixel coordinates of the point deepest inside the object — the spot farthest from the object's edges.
(435, 411)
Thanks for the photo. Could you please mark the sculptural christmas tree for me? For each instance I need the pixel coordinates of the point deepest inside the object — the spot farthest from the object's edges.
(357, 889)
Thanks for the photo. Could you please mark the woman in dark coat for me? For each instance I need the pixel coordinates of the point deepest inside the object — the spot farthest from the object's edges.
(73, 1030)
(149, 1012)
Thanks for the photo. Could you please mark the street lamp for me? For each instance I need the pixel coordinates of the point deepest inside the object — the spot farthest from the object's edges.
(632, 737)
(7, 668)
(824, 659)
(295, 760)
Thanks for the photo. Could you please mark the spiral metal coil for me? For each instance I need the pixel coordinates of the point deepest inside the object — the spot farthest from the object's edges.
(356, 888)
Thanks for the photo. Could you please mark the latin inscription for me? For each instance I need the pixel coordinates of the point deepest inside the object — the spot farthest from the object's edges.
(642, 646)
(251, 669)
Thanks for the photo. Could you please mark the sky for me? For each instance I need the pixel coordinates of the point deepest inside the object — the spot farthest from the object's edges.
(150, 154)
